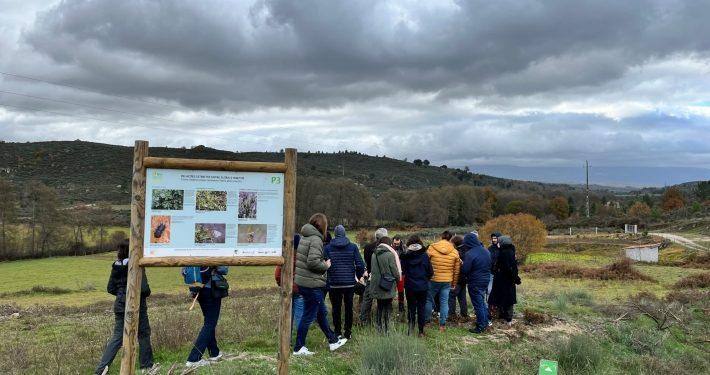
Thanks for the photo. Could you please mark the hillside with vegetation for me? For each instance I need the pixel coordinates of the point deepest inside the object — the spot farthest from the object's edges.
(61, 198)
(90, 172)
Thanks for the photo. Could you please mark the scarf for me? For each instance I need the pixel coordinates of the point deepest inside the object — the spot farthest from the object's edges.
(396, 258)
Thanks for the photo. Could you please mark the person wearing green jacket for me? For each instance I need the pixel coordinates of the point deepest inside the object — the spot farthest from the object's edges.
(311, 268)
(386, 271)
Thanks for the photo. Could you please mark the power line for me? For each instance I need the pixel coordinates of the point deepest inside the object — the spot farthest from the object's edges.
(154, 127)
(87, 106)
(138, 115)
(97, 119)
(87, 90)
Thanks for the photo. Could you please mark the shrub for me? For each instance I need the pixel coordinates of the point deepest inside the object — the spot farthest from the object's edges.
(580, 354)
(528, 232)
(699, 280)
(394, 354)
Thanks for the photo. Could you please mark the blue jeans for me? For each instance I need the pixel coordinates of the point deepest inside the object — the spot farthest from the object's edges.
(207, 339)
(442, 289)
(478, 298)
(296, 310)
(313, 309)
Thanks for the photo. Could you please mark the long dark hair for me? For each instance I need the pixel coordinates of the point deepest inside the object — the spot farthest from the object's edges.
(123, 247)
(320, 221)
(414, 239)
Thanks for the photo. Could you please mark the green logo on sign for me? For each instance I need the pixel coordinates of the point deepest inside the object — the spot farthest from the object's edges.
(547, 367)
(275, 180)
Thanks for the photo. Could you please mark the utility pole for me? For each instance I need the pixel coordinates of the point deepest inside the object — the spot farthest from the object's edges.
(587, 170)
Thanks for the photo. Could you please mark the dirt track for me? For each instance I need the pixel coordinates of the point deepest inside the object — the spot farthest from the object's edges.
(681, 240)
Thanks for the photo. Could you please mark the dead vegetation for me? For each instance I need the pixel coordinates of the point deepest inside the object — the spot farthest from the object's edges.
(620, 270)
(696, 281)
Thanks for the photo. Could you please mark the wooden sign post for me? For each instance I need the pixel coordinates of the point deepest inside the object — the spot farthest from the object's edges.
(136, 262)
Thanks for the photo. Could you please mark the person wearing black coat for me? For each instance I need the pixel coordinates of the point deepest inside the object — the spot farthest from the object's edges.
(505, 278)
(493, 249)
(117, 287)
(417, 271)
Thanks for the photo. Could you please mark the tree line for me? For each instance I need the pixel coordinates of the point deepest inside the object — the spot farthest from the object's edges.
(35, 224)
(353, 204)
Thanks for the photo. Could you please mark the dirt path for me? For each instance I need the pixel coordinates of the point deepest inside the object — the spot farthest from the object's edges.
(681, 240)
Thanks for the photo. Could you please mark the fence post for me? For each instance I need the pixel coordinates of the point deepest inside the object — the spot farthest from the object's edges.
(135, 271)
(287, 268)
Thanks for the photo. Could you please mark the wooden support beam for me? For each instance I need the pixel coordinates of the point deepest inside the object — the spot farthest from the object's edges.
(214, 165)
(135, 272)
(210, 261)
(287, 269)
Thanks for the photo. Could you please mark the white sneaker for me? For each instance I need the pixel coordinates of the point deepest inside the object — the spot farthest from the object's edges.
(303, 352)
(197, 364)
(152, 370)
(216, 358)
(334, 346)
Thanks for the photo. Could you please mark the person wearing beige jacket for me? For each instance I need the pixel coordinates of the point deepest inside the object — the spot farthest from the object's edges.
(446, 263)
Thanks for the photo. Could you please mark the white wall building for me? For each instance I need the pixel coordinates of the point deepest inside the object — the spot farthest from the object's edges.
(643, 253)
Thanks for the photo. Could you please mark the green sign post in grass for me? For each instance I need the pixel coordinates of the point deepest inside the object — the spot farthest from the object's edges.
(547, 367)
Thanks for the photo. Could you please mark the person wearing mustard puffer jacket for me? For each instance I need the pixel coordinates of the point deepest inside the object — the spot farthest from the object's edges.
(446, 263)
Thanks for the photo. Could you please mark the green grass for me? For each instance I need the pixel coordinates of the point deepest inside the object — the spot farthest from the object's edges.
(82, 274)
(63, 317)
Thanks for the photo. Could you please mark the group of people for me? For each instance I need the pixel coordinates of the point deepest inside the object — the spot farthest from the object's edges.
(430, 278)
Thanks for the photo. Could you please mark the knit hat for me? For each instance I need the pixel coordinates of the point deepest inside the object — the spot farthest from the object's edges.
(380, 232)
(339, 231)
(474, 232)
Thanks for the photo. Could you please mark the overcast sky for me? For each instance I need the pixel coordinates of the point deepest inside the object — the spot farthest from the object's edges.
(528, 83)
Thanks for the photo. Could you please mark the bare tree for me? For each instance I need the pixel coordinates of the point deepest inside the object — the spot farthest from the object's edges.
(8, 211)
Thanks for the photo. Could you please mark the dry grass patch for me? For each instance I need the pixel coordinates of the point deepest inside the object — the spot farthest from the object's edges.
(696, 281)
(620, 270)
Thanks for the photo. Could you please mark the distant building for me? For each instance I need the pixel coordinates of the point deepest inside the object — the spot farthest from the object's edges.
(643, 253)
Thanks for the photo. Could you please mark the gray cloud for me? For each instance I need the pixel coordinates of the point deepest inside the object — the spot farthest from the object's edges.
(502, 82)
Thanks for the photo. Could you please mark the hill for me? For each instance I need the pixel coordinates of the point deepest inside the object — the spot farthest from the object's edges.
(89, 172)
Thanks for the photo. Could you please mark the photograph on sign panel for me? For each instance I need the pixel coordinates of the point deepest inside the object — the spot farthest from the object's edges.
(160, 229)
(167, 199)
(210, 233)
(247, 205)
(211, 200)
(251, 233)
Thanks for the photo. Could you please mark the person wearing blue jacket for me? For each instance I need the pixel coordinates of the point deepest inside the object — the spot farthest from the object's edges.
(346, 268)
(210, 299)
(477, 272)
(417, 271)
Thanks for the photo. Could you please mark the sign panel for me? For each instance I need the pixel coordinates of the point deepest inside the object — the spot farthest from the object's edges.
(213, 213)
(547, 367)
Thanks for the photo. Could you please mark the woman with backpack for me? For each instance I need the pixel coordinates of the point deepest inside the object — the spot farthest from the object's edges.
(209, 286)
(386, 272)
(311, 268)
(117, 286)
(417, 271)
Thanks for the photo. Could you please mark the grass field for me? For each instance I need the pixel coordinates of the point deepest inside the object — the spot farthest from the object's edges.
(65, 313)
